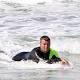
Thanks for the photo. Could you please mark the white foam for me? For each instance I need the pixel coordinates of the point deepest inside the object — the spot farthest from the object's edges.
(32, 65)
(4, 57)
(70, 45)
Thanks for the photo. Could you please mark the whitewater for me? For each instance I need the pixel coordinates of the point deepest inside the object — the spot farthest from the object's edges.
(23, 22)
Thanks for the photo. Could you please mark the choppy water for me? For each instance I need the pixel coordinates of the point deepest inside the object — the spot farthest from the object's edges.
(22, 23)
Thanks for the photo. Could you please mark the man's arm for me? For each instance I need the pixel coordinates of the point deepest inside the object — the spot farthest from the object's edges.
(33, 56)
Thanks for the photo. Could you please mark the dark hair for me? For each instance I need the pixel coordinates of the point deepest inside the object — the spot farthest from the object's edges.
(46, 38)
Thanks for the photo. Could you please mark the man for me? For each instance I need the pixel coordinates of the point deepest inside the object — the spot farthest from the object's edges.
(43, 52)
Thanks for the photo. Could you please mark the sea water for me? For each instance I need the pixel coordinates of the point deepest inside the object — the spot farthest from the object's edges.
(23, 22)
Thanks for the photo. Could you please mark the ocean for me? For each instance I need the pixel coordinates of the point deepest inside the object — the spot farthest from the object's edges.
(23, 22)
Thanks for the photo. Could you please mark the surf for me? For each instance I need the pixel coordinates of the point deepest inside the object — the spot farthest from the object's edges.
(29, 64)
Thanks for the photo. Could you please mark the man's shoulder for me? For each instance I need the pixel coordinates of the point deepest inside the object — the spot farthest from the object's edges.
(53, 50)
(36, 48)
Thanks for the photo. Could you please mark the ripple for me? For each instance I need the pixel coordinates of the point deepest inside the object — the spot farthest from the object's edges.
(23, 10)
(70, 17)
(41, 3)
(75, 24)
(68, 36)
(2, 51)
(2, 10)
(2, 26)
(41, 19)
(14, 5)
(16, 27)
(3, 16)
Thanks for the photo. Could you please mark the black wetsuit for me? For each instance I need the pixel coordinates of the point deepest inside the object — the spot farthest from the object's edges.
(36, 54)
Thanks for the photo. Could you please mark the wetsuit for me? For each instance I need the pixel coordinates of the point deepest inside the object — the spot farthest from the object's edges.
(36, 54)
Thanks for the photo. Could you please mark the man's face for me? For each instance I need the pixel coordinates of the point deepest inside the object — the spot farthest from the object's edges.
(44, 46)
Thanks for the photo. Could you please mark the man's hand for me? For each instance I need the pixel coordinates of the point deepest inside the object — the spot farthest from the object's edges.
(64, 61)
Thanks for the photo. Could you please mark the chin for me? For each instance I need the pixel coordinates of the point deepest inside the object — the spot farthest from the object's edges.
(44, 51)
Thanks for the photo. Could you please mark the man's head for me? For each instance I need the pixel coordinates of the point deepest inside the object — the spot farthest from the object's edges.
(45, 44)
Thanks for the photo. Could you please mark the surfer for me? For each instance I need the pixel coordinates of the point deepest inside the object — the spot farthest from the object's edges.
(43, 52)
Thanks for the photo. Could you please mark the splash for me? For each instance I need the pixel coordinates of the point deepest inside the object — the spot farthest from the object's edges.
(67, 45)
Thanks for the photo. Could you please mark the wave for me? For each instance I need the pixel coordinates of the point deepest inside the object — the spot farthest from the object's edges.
(70, 45)
(28, 65)
(4, 57)
(28, 1)
(11, 47)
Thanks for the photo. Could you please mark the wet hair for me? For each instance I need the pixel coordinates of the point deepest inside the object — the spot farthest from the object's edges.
(46, 38)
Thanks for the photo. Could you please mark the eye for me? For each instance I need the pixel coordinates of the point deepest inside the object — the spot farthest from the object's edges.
(44, 44)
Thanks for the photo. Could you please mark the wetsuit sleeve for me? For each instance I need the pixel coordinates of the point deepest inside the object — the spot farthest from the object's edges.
(53, 53)
(21, 56)
(53, 57)
(33, 56)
